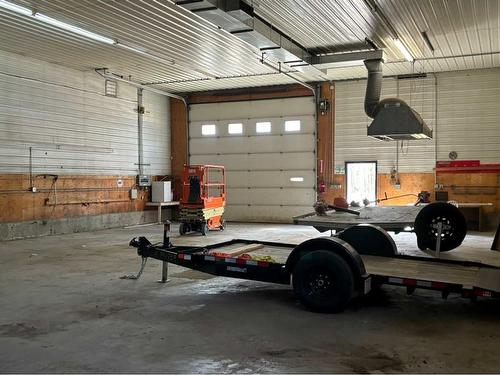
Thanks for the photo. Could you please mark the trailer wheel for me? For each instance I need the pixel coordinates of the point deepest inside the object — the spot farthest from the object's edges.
(454, 226)
(323, 281)
(183, 229)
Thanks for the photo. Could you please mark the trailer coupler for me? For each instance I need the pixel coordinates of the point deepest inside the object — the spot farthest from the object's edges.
(146, 249)
(142, 243)
(164, 252)
(139, 243)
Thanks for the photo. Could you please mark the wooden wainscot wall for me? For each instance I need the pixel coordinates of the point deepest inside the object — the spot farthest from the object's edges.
(62, 196)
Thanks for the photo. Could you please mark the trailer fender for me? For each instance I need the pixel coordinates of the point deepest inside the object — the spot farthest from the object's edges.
(368, 239)
(335, 245)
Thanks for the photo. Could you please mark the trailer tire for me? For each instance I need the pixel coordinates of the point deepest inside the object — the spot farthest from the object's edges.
(454, 226)
(323, 281)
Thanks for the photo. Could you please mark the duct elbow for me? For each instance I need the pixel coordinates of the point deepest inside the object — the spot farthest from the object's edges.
(373, 86)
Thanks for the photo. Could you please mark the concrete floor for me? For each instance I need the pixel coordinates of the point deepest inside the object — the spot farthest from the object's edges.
(64, 308)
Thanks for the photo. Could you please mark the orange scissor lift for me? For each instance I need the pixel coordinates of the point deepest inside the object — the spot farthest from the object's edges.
(203, 199)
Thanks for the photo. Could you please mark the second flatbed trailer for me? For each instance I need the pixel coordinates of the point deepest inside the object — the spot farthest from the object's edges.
(327, 272)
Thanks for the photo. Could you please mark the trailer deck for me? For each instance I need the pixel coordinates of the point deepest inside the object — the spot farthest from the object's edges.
(469, 276)
(390, 218)
(327, 272)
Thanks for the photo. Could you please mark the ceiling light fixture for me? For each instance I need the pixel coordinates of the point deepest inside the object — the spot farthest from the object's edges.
(427, 40)
(51, 21)
(402, 48)
(89, 34)
(15, 8)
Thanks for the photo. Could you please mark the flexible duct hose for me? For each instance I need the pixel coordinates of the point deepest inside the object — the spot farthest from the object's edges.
(373, 86)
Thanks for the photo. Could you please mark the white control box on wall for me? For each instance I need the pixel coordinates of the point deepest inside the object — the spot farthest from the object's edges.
(161, 191)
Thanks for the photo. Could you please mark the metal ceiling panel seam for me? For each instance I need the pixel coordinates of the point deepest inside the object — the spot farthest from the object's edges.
(465, 34)
(105, 48)
(228, 85)
(343, 25)
(407, 16)
(187, 38)
(78, 54)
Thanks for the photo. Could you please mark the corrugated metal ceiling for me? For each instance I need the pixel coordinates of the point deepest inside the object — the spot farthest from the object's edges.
(204, 55)
(465, 33)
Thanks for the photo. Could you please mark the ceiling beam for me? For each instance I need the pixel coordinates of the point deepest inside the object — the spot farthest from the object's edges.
(338, 60)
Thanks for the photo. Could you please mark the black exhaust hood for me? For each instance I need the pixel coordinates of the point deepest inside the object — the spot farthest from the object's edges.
(396, 120)
(393, 119)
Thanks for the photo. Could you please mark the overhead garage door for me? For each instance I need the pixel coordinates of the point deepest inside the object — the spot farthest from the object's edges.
(268, 149)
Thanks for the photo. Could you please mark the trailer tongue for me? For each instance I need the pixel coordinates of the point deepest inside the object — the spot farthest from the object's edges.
(327, 272)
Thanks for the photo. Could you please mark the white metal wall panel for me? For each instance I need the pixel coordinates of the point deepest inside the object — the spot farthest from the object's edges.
(461, 107)
(469, 115)
(71, 126)
(156, 134)
(351, 141)
(259, 166)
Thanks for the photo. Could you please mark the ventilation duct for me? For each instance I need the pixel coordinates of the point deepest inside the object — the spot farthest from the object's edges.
(393, 119)
(238, 18)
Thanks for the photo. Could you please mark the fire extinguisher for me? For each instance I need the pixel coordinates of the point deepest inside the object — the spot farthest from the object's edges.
(321, 185)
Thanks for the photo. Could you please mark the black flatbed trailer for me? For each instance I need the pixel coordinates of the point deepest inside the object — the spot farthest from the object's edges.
(327, 272)
(391, 218)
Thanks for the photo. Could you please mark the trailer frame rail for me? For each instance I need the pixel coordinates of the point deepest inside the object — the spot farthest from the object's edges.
(199, 258)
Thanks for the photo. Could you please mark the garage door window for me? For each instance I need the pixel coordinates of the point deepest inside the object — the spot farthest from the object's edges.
(263, 127)
(292, 126)
(208, 129)
(236, 128)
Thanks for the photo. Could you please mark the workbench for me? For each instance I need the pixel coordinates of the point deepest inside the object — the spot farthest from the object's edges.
(473, 213)
(160, 205)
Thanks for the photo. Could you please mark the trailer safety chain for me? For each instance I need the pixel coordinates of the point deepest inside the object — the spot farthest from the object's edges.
(136, 277)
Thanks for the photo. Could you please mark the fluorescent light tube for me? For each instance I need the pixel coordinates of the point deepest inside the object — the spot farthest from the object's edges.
(51, 21)
(73, 29)
(403, 50)
(15, 8)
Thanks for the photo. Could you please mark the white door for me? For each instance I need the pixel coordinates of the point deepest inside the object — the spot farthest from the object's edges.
(361, 180)
(268, 149)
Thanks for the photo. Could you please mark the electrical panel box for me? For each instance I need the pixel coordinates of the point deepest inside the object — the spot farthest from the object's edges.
(161, 191)
(143, 180)
(133, 193)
